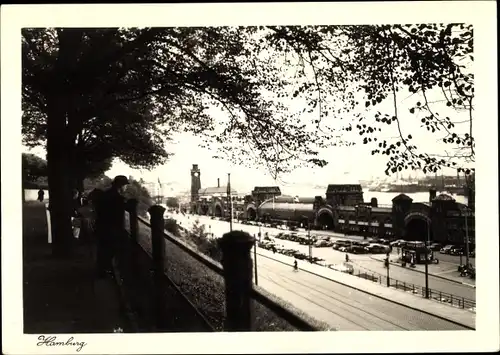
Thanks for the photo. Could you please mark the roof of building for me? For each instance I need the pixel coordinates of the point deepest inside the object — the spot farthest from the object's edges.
(402, 197)
(215, 190)
(286, 206)
(266, 190)
(346, 208)
(444, 197)
(382, 209)
(292, 199)
(332, 188)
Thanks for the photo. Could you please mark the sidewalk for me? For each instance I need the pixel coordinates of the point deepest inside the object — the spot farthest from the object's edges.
(460, 316)
(444, 271)
(63, 295)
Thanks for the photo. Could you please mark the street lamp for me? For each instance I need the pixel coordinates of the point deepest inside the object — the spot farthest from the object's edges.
(309, 242)
(466, 237)
(387, 265)
(427, 259)
(230, 202)
(255, 259)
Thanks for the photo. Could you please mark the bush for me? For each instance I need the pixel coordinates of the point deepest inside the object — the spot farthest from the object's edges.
(172, 226)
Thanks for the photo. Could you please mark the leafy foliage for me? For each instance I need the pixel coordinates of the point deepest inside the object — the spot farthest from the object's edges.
(34, 168)
(172, 226)
(348, 70)
(127, 90)
(172, 202)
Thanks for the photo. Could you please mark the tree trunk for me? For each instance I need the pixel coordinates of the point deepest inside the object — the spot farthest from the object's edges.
(59, 181)
(59, 143)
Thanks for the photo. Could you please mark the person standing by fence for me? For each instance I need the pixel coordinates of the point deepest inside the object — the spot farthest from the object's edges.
(41, 195)
(110, 223)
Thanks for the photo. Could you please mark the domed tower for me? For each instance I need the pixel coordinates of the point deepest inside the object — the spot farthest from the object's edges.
(195, 182)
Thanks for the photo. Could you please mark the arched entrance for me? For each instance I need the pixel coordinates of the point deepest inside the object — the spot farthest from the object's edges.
(417, 228)
(325, 220)
(204, 210)
(218, 211)
(251, 214)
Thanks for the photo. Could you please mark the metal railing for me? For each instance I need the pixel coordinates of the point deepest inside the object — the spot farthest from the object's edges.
(440, 296)
(222, 295)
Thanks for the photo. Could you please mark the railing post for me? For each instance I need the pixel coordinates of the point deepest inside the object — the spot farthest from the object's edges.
(158, 250)
(133, 220)
(463, 303)
(237, 264)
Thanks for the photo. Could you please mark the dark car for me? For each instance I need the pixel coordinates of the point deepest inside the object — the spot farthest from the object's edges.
(446, 249)
(457, 251)
(341, 243)
(357, 249)
(435, 247)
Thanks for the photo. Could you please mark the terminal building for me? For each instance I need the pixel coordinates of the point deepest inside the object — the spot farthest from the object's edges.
(343, 209)
(213, 201)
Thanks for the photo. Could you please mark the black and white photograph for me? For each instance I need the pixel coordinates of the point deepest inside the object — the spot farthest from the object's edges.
(175, 173)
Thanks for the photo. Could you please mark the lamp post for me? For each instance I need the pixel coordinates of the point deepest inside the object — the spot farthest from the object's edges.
(466, 238)
(387, 264)
(309, 242)
(427, 259)
(255, 259)
(230, 202)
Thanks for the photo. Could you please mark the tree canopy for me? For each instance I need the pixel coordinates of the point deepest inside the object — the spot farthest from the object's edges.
(34, 168)
(92, 94)
(128, 89)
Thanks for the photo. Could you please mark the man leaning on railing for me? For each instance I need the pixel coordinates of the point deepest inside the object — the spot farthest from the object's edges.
(110, 223)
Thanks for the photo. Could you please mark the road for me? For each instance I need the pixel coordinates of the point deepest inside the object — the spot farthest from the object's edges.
(340, 306)
(363, 263)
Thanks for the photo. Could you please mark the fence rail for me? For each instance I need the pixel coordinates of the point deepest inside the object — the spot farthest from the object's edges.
(222, 293)
(453, 300)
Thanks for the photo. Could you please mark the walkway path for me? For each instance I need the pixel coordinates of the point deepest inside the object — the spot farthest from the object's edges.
(63, 295)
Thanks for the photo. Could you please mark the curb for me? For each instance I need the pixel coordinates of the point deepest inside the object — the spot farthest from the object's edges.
(371, 294)
(422, 272)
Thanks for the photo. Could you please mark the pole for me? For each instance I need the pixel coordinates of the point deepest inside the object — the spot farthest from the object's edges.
(230, 202)
(426, 260)
(255, 261)
(309, 242)
(388, 266)
(466, 239)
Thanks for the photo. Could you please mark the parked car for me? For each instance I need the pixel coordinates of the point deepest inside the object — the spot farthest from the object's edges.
(398, 243)
(457, 251)
(347, 268)
(446, 249)
(357, 249)
(435, 247)
(338, 244)
(377, 249)
(321, 243)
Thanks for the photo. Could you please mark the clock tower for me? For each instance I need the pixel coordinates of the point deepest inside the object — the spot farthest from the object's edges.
(195, 182)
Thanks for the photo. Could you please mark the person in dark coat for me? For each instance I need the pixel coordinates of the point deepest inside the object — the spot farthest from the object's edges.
(41, 195)
(110, 223)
